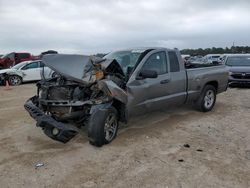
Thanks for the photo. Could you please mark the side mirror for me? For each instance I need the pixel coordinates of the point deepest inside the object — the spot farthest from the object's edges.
(147, 74)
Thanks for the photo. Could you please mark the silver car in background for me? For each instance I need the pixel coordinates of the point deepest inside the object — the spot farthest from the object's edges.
(239, 69)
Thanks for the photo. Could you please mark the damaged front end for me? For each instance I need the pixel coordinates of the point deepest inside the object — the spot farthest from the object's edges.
(83, 85)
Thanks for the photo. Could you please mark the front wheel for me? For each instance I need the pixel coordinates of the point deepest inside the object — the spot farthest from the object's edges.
(15, 80)
(207, 99)
(103, 126)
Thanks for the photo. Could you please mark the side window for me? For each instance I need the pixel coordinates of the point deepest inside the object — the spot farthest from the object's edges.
(31, 66)
(23, 55)
(156, 62)
(174, 62)
(42, 64)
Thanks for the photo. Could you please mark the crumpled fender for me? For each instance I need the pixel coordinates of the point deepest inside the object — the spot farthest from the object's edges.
(110, 88)
(15, 72)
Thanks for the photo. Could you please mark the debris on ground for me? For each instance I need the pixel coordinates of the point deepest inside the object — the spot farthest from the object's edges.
(38, 165)
(248, 154)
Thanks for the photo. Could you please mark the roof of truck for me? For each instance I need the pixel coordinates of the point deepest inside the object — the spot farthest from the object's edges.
(145, 48)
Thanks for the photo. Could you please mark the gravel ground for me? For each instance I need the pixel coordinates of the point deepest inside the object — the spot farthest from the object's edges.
(171, 148)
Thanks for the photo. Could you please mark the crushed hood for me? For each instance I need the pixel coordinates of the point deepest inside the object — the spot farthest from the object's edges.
(78, 67)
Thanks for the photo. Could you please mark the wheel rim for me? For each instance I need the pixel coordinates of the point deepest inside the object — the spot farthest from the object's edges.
(209, 99)
(110, 127)
(15, 80)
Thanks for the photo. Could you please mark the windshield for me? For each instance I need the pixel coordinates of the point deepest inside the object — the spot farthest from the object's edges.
(238, 61)
(11, 56)
(126, 59)
(215, 57)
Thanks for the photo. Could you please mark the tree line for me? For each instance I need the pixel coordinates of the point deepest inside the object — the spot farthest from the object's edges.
(214, 50)
(203, 52)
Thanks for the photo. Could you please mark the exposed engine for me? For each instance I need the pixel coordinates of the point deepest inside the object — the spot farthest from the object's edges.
(66, 99)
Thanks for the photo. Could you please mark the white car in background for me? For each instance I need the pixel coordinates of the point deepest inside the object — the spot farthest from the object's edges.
(213, 58)
(25, 72)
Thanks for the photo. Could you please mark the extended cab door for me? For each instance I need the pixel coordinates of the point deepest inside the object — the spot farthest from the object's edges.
(147, 94)
(31, 71)
(178, 79)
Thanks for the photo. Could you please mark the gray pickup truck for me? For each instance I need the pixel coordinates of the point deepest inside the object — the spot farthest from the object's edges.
(101, 92)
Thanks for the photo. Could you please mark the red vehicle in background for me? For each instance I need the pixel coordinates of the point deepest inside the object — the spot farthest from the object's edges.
(14, 58)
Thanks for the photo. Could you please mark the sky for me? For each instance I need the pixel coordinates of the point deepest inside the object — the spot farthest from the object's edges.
(101, 26)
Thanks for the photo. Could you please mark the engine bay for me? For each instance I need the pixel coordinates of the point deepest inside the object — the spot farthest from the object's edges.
(65, 98)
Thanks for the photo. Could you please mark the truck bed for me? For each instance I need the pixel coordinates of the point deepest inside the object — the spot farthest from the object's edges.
(200, 65)
(197, 77)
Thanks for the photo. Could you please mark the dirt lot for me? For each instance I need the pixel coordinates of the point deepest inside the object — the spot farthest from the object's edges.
(149, 152)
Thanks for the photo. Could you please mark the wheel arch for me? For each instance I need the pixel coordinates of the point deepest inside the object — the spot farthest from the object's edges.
(13, 74)
(213, 83)
(121, 110)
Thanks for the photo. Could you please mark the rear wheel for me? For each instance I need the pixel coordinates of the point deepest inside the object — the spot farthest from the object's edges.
(15, 80)
(207, 99)
(103, 126)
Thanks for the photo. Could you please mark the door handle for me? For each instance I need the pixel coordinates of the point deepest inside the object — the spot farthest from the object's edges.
(165, 81)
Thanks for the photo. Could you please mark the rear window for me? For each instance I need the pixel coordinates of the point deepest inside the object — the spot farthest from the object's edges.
(174, 63)
(238, 61)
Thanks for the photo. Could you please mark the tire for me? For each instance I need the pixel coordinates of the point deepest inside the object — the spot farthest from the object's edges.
(103, 126)
(15, 80)
(207, 99)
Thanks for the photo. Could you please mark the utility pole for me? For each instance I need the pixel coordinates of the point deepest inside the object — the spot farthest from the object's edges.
(233, 49)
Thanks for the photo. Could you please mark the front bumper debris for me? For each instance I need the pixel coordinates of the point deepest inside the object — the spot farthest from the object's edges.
(52, 128)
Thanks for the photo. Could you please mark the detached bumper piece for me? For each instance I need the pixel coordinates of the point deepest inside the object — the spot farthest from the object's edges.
(52, 128)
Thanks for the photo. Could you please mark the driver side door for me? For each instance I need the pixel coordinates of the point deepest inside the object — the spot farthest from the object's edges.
(149, 94)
